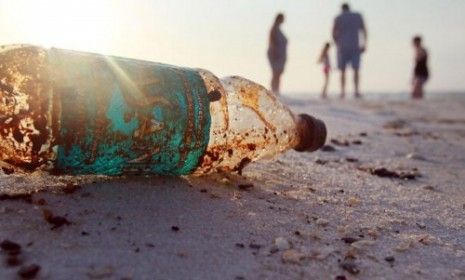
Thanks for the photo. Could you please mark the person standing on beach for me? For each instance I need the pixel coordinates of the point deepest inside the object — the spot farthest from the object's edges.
(324, 60)
(277, 52)
(346, 34)
(420, 71)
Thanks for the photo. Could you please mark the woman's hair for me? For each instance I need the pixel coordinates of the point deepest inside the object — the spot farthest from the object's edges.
(417, 39)
(279, 17)
(324, 50)
(327, 45)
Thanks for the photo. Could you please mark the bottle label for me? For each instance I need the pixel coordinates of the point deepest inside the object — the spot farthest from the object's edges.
(121, 116)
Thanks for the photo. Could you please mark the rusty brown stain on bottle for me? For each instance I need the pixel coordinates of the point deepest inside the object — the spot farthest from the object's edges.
(213, 85)
(251, 146)
(214, 95)
(24, 127)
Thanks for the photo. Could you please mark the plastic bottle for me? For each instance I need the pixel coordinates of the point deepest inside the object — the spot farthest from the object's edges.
(70, 112)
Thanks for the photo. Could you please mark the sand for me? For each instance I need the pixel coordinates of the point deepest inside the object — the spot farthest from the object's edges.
(315, 215)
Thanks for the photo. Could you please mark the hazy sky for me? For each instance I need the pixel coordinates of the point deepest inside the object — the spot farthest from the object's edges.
(229, 37)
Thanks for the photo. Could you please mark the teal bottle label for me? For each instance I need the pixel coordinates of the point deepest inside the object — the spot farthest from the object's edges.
(121, 116)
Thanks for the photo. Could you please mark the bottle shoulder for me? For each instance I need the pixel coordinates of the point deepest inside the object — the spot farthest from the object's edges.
(255, 125)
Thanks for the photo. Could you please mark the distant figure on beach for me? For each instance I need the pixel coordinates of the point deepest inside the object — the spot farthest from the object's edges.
(346, 34)
(277, 52)
(324, 60)
(420, 71)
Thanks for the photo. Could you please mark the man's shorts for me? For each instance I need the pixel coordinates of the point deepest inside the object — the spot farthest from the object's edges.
(346, 56)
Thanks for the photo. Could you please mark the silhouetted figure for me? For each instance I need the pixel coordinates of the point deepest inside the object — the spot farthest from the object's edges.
(324, 60)
(346, 34)
(420, 71)
(277, 52)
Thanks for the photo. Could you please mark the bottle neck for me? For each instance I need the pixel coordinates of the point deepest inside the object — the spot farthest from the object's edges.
(312, 133)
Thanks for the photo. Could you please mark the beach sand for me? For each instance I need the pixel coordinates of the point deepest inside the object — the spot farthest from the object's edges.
(388, 203)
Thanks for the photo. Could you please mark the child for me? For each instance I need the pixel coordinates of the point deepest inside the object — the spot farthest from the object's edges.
(420, 72)
(324, 59)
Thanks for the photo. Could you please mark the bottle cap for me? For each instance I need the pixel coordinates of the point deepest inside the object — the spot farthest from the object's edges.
(312, 133)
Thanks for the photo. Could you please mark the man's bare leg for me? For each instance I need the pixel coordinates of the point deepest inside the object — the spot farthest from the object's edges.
(343, 83)
(356, 81)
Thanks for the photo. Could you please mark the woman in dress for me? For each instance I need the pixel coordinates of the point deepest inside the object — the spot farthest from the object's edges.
(277, 52)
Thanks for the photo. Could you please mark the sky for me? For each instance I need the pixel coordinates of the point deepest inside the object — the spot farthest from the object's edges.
(229, 37)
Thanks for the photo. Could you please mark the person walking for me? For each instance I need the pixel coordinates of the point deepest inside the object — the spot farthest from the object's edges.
(324, 60)
(420, 71)
(277, 48)
(346, 34)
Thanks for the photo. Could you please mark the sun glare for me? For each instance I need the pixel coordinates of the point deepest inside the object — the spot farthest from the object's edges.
(82, 25)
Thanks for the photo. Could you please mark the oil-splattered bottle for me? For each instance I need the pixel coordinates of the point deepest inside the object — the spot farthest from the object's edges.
(80, 113)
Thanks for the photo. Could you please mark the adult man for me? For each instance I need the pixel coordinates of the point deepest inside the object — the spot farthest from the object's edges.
(346, 34)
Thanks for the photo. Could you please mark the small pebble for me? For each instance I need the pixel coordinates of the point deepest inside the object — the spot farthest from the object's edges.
(353, 201)
(244, 187)
(56, 221)
(328, 148)
(426, 239)
(362, 244)
(373, 232)
(320, 161)
(396, 124)
(273, 249)
(349, 240)
(254, 246)
(282, 244)
(421, 225)
(415, 156)
(10, 247)
(240, 245)
(175, 228)
(322, 222)
(429, 188)
(292, 256)
(389, 259)
(340, 142)
(29, 271)
(322, 253)
(404, 246)
(350, 267)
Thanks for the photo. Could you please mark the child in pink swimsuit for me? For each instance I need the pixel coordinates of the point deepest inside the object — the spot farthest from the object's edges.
(324, 59)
